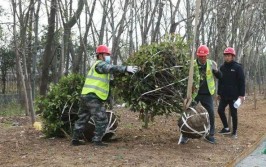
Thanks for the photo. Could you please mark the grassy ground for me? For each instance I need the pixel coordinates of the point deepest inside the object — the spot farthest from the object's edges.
(11, 109)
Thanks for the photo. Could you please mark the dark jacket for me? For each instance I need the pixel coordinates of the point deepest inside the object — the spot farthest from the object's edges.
(232, 83)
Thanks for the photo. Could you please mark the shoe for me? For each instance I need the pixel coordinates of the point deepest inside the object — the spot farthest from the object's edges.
(184, 140)
(75, 142)
(210, 139)
(234, 135)
(224, 131)
(100, 143)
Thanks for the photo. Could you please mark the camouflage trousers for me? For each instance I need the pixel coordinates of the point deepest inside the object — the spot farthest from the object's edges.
(91, 107)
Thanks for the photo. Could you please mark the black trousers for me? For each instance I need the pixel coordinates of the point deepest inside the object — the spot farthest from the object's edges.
(221, 110)
(207, 103)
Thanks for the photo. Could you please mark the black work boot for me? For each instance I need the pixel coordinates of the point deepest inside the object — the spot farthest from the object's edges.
(184, 140)
(76, 142)
(210, 139)
(100, 143)
(224, 131)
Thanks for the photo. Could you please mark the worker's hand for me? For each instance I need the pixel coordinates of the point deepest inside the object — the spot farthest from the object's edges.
(214, 66)
(187, 103)
(132, 69)
(193, 89)
(242, 98)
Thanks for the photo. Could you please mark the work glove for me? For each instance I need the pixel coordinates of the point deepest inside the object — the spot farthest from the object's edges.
(132, 69)
(214, 66)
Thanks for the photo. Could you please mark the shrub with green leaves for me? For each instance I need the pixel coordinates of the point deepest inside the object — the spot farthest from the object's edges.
(160, 85)
(60, 106)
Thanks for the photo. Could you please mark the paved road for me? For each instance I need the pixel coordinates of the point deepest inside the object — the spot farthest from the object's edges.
(256, 158)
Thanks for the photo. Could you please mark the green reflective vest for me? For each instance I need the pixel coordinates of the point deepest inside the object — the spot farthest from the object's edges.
(209, 77)
(96, 83)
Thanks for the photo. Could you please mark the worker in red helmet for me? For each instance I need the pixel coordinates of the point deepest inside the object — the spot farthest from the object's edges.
(205, 71)
(230, 88)
(95, 93)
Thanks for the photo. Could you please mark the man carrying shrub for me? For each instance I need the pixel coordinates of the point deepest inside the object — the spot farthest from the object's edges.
(95, 93)
(203, 93)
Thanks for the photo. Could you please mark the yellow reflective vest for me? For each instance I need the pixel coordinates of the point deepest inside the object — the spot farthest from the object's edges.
(97, 83)
(209, 77)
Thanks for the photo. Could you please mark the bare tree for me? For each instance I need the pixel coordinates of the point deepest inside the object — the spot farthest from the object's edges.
(174, 24)
(34, 58)
(157, 27)
(25, 22)
(68, 23)
(20, 52)
(146, 17)
(118, 30)
(83, 41)
(104, 17)
(21, 76)
(47, 56)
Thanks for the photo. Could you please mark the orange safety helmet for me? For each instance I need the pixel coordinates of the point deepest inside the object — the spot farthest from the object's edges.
(202, 51)
(230, 50)
(102, 49)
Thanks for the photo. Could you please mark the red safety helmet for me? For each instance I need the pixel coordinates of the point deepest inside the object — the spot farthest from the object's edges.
(230, 50)
(202, 51)
(102, 49)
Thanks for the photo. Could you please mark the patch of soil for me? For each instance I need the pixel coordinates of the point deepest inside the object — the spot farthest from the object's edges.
(21, 145)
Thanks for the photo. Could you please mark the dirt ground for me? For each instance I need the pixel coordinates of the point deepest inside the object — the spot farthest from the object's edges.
(21, 145)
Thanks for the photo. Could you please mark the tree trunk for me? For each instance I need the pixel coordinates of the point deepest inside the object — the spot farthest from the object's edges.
(222, 20)
(24, 22)
(147, 19)
(4, 75)
(47, 57)
(173, 15)
(35, 52)
(68, 24)
(101, 34)
(130, 36)
(116, 37)
(157, 27)
(189, 22)
(255, 95)
(83, 41)
(19, 68)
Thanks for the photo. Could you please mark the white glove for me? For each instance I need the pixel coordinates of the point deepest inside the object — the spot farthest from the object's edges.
(132, 69)
(214, 66)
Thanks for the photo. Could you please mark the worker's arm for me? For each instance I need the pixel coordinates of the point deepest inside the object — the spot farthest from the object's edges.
(241, 81)
(106, 68)
(215, 70)
(217, 74)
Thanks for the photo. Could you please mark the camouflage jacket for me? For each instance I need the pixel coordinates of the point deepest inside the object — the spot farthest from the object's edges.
(106, 68)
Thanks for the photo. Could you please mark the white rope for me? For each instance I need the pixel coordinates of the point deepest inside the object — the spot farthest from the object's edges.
(193, 110)
(177, 66)
(186, 116)
(180, 138)
(110, 123)
(201, 133)
(161, 88)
